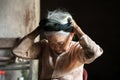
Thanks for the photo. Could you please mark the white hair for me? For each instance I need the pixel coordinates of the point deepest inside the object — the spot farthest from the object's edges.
(60, 16)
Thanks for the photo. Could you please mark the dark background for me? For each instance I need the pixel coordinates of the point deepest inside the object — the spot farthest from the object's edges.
(100, 20)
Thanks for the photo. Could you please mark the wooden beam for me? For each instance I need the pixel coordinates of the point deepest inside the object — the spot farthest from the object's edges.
(8, 42)
(16, 66)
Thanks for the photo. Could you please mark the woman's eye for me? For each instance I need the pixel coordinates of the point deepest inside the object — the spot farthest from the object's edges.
(60, 43)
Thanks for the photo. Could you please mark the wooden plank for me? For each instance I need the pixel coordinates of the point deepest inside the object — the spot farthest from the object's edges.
(7, 42)
(4, 58)
(16, 66)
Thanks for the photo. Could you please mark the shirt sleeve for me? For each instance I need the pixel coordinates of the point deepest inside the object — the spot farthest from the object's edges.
(90, 50)
(27, 48)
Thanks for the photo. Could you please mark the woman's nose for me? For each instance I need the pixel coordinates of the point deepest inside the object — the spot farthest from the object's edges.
(58, 47)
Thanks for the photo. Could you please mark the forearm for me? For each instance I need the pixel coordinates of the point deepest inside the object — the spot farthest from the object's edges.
(77, 29)
(90, 48)
(34, 33)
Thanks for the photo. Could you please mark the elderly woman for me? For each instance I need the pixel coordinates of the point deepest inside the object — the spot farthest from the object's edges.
(60, 57)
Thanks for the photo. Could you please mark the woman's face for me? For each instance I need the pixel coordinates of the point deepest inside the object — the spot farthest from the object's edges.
(57, 43)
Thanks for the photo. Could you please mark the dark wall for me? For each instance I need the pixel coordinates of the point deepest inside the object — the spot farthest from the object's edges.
(100, 20)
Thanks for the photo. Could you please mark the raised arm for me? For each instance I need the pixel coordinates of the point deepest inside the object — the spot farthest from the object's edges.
(90, 50)
(26, 48)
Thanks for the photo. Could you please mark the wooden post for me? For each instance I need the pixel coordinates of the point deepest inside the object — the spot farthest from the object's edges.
(33, 70)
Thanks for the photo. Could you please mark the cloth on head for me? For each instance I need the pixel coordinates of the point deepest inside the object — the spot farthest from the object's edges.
(57, 20)
(53, 25)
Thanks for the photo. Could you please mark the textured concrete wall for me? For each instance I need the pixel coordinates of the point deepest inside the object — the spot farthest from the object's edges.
(18, 18)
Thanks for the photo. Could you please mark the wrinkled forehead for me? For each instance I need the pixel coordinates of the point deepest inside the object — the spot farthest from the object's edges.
(57, 33)
(57, 36)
